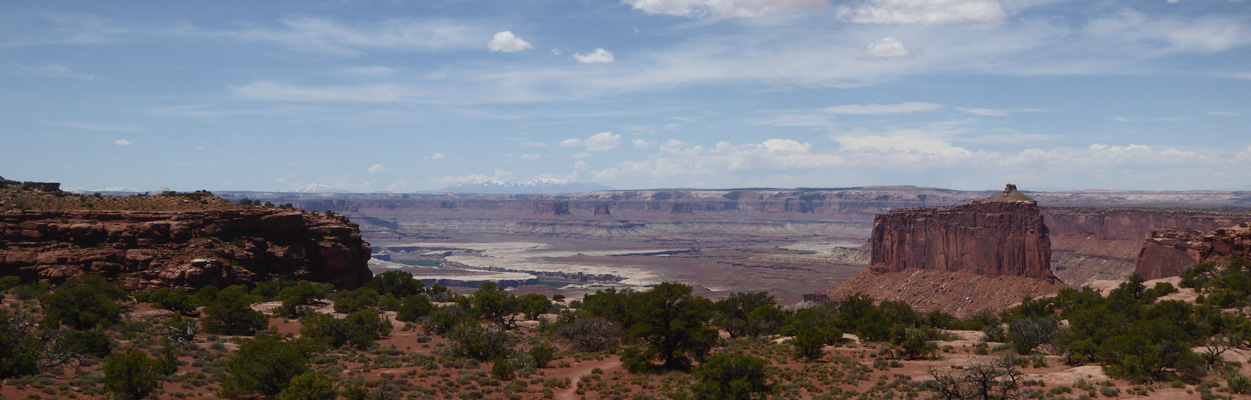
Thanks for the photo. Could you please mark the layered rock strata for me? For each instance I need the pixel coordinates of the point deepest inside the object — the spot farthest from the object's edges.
(189, 249)
(984, 255)
(1170, 251)
(1000, 235)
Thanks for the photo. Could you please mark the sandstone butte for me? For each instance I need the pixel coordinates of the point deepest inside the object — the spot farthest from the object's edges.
(1000, 235)
(985, 255)
(1168, 252)
(218, 244)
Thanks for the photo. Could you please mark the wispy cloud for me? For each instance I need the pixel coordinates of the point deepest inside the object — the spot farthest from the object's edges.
(59, 29)
(269, 90)
(724, 8)
(927, 12)
(85, 126)
(330, 36)
(882, 109)
(52, 71)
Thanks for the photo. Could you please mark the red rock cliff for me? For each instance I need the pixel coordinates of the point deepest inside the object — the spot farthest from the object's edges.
(1001, 235)
(148, 249)
(1169, 251)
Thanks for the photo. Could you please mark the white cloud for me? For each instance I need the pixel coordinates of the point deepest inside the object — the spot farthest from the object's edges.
(926, 157)
(887, 48)
(556, 51)
(882, 109)
(537, 145)
(435, 156)
(643, 143)
(724, 8)
(926, 12)
(986, 112)
(376, 169)
(602, 141)
(597, 56)
(375, 70)
(199, 148)
(530, 156)
(122, 142)
(507, 42)
(328, 36)
(581, 156)
(1223, 113)
(269, 90)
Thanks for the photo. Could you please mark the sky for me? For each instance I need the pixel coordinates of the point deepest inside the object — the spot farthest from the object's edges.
(405, 96)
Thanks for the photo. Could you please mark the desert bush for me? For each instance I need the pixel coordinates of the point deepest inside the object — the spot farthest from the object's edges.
(308, 386)
(83, 304)
(732, 376)
(414, 308)
(19, 350)
(354, 300)
(231, 313)
(264, 366)
(176, 300)
(398, 284)
(131, 374)
(589, 333)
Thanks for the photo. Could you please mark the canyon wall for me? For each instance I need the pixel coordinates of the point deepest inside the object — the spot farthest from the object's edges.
(1089, 238)
(1169, 251)
(1090, 244)
(189, 249)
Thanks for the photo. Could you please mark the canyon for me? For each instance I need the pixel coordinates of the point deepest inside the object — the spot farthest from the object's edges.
(790, 242)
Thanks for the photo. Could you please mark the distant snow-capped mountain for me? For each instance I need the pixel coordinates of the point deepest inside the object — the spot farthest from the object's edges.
(530, 187)
(318, 188)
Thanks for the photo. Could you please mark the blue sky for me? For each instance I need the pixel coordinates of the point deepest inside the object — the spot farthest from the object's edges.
(405, 96)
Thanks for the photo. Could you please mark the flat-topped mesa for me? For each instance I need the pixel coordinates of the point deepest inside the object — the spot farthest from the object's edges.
(1000, 235)
(1168, 252)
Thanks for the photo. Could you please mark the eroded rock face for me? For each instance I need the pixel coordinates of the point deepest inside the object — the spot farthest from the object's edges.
(187, 249)
(1001, 235)
(1170, 251)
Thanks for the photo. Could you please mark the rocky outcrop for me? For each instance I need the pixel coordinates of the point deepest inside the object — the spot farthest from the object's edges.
(190, 249)
(40, 186)
(602, 209)
(551, 208)
(985, 255)
(1000, 235)
(1170, 251)
(1091, 244)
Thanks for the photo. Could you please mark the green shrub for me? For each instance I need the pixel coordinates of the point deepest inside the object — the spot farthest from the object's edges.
(231, 313)
(19, 350)
(130, 374)
(308, 386)
(264, 365)
(731, 376)
(83, 304)
(176, 300)
(355, 300)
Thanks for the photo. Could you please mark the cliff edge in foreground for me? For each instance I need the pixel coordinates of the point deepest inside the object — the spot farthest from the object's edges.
(188, 240)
